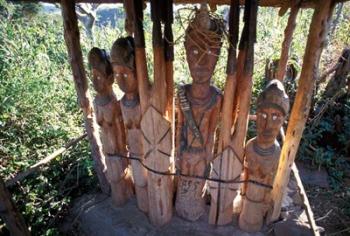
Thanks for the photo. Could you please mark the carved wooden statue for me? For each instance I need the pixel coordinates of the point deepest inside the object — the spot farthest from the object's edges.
(198, 112)
(123, 63)
(109, 118)
(262, 156)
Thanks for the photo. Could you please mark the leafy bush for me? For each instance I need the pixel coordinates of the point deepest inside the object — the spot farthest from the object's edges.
(39, 114)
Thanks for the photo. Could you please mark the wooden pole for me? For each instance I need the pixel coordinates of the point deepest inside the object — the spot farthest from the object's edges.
(302, 192)
(288, 36)
(72, 38)
(225, 165)
(140, 57)
(309, 213)
(159, 88)
(169, 57)
(8, 212)
(301, 107)
(156, 128)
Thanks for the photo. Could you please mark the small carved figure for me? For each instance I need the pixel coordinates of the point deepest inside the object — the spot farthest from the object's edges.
(262, 156)
(198, 112)
(123, 63)
(109, 118)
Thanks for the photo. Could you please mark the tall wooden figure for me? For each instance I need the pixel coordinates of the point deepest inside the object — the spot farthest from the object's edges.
(123, 63)
(198, 112)
(155, 123)
(262, 155)
(109, 118)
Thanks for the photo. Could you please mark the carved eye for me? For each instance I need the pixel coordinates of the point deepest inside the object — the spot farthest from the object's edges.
(195, 52)
(116, 75)
(209, 52)
(125, 76)
(264, 115)
(274, 117)
(98, 77)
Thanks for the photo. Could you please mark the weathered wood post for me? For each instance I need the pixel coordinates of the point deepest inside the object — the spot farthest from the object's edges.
(301, 107)
(226, 165)
(231, 165)
(288, 36)
(155, 125)
(72, 38)
(8, 212)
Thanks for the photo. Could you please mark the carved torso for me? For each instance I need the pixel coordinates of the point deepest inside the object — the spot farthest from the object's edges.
(261, 166)
(195, 154)
(131, 112)
(109, 118)
(202, 113)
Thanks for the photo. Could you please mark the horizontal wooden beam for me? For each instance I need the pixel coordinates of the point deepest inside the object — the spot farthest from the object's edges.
(264, 3)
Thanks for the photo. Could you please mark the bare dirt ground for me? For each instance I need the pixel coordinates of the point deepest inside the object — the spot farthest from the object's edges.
(331, 209)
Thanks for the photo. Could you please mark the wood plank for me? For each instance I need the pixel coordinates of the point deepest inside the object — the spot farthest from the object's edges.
(72, 39)
(263, 3)
(301, 107)
(8, 212)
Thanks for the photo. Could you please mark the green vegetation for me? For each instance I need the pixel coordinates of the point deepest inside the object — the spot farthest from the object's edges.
(39, 111)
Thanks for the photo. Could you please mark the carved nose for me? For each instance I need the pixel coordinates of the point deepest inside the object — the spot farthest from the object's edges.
(268, 124)
(202, 60)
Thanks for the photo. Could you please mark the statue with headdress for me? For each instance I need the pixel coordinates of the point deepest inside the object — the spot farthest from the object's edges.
(262, 156)
(198, 112)
(109, 118)
(123, 64)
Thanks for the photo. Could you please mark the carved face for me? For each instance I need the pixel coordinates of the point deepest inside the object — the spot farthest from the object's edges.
(101, 82)
(201, 58)
(268, 123)
(125, 78)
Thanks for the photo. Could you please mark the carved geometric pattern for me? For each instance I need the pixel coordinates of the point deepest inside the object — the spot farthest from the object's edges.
(156, 131)
(226, 166)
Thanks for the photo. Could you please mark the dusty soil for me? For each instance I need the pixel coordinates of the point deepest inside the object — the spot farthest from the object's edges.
(331, 209)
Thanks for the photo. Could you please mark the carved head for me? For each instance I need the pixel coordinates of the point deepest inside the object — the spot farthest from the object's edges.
(203, 43)
(102, 77)
(123, 64)
(272, 108)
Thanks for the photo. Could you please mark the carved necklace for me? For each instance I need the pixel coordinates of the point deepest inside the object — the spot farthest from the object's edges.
(200, 101)
(104, 100)
(264, 151)
(130, 103)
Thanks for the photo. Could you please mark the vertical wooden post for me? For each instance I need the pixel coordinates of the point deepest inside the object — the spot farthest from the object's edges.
(301, 107)
(288, 36)
(72, 38)
(9, 213)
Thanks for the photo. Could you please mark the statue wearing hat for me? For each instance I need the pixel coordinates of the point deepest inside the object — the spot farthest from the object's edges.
(109, 118)
(198, 112)
(123, 64)
(262, 156)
